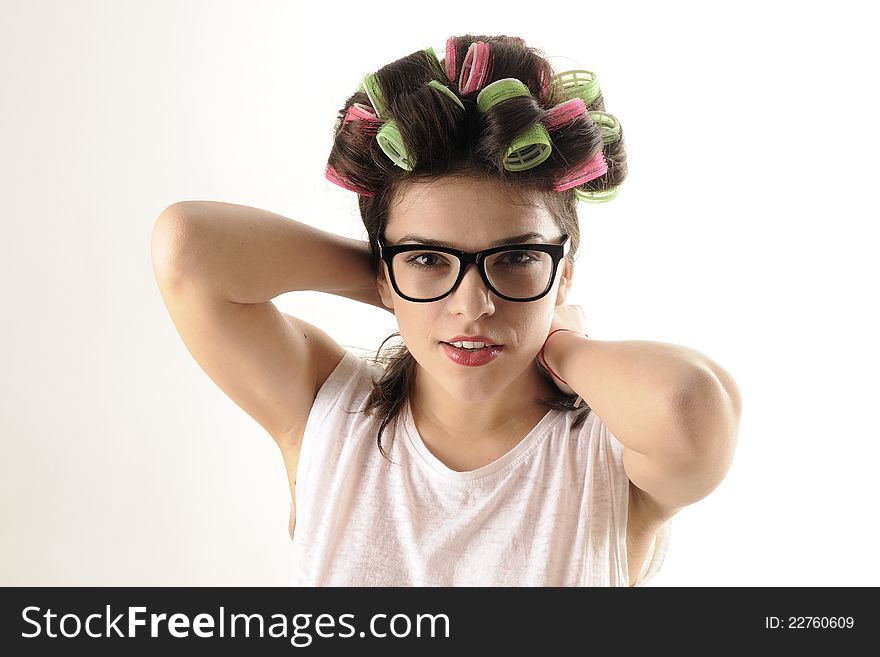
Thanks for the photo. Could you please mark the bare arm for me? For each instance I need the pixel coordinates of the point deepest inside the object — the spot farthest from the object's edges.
(248, 255)
(675, 411)
(218, 267)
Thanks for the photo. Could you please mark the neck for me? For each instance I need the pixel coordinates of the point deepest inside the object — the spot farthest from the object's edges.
(483, 421)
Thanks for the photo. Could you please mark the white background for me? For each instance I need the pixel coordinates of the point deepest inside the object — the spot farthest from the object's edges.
(746, 230)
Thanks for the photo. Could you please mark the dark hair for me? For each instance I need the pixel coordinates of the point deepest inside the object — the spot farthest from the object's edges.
(445, 142)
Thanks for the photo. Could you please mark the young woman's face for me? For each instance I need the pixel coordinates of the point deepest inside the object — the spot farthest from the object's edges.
(471, 215)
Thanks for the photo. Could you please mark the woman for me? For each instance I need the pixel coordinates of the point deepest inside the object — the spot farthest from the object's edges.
(469, 171)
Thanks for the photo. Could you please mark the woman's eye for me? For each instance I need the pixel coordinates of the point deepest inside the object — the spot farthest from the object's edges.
(518, 258)
(424, 259)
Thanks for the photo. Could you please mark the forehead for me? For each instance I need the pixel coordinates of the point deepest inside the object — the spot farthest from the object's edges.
(459, 210)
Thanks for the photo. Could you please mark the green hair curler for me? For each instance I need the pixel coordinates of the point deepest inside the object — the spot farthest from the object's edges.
(499, 91)
(433, 56)
(578, 84)
(447, 91)
(529, 148)
(391, 143)
(609, 125)
(601, 196)
(371, 86)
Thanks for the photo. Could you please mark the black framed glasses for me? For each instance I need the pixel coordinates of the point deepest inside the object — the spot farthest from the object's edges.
(515, 272)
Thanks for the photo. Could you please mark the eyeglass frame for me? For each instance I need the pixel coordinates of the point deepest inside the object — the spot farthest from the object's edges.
(478, 258)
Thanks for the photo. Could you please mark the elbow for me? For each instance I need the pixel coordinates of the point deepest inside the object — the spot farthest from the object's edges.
(707, 413)
(170, 233)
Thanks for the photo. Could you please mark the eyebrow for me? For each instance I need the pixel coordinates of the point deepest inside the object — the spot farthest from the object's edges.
(517, 239)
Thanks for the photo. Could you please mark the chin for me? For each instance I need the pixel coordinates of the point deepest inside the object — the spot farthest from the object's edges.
(471, 384)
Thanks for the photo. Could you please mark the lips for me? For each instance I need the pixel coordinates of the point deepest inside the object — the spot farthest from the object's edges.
(474, 358)
(474, 338)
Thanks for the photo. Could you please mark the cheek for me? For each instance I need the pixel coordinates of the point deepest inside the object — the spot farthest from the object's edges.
(525, 328)
(417, 327)
(538, 318)
(534, 332)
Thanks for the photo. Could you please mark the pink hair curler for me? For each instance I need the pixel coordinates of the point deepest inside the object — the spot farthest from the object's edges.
(592, 168)
(475, 68)
(564, 113)
(333, 176)
(449, 60)
(360, 112)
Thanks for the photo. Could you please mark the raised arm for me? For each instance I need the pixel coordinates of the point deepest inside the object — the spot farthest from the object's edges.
(218, 266)
(250, 255)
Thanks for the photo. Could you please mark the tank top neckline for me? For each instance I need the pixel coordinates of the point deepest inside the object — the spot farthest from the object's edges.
(507, 461)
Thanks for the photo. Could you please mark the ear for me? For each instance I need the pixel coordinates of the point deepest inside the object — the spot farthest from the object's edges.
(565, 282)
(383, 286)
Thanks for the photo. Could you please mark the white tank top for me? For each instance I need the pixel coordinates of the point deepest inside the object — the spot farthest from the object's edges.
(550, 512)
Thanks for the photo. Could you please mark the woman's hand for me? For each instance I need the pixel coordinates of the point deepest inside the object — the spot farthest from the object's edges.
(567, 316)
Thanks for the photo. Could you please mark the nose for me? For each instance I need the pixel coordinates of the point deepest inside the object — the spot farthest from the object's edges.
(472, 297)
